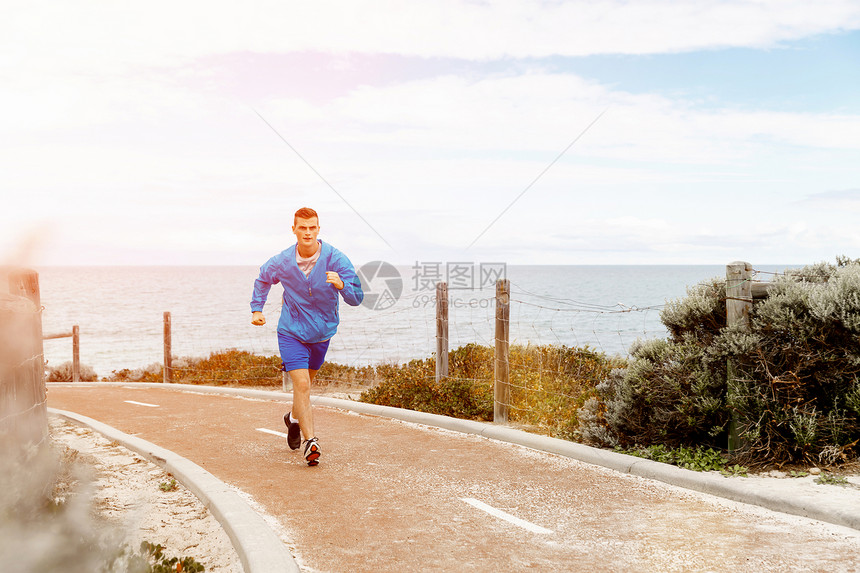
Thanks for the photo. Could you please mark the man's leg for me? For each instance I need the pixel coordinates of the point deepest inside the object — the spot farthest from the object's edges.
(302, 379)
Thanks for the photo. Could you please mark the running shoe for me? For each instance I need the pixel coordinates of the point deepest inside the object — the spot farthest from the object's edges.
(294, 432)
(312, 451)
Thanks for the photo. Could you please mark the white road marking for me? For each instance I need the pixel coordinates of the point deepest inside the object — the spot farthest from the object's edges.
(506, 516)
(141, 404)
(273, 432)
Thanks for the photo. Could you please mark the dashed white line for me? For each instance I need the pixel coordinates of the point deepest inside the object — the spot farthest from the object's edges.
(527, 525)
(273, 432)
(506, 516)
(141, 404)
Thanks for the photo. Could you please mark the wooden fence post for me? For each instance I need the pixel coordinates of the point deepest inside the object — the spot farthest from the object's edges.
(25, 282)
(501, 370)
(441, 330)
(23, 403)
(739, 301)
(168, 356)
(76, 354)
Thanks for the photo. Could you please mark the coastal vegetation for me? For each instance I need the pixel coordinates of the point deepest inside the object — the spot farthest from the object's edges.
(549, 384)
(63, 373)
(794, 394)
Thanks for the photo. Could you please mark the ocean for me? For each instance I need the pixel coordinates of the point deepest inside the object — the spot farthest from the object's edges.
(119, 310)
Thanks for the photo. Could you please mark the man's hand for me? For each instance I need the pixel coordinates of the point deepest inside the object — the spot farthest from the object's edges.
(333, 278)
(257, 318)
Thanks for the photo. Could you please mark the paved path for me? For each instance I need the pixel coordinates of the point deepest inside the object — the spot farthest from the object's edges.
(393, 496)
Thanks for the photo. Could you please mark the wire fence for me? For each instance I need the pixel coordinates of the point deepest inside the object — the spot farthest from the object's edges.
(120, 311)
(559, 344)
(557, 348)
(369, 338)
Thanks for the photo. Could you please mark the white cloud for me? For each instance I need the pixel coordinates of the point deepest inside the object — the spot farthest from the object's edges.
(542, 113)
(630, 239)
(110, 36)
(841, 200)
(518, 123)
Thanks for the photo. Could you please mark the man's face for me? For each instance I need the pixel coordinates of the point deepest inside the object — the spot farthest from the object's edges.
(306, 231)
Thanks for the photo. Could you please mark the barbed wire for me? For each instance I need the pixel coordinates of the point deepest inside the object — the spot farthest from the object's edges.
(393, 335)
(790, 273)
(580, 306)
(609, 310)
(407, 330)
(536, 321)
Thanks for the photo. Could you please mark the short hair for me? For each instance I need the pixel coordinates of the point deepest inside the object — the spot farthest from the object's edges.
(305, 213)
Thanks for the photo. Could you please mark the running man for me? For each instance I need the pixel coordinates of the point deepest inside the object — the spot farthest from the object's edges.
(313, 274)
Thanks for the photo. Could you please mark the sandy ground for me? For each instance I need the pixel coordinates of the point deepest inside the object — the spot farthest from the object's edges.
(129, 494)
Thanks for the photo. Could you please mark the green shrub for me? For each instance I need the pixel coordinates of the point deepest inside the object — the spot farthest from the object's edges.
(830, 479)
(670, 393)
(241, 368)
(549, 385)
(229, 367)
(795, 392)
(332, 373)
(152, 559)
(698, 459)
(63, 373)
(152, 373)
(702, 314)
(798, 390)
(414, 386)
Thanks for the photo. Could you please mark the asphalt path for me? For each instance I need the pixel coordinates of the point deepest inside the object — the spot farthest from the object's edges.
(396, 496)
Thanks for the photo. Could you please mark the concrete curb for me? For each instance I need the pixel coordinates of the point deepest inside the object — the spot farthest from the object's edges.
(259, 548)
(704, 482)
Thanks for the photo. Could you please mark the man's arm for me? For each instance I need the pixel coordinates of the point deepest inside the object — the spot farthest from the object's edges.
(345, 275)
(262, 286)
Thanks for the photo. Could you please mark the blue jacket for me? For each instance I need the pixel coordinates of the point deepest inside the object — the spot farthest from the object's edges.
(310, 309)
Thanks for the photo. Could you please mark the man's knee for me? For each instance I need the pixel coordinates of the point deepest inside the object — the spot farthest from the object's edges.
(301, 380)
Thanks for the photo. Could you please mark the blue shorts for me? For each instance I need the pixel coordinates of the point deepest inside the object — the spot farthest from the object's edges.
(297, 355)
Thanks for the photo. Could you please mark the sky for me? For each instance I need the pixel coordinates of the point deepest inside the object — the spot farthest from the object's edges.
(524, 132)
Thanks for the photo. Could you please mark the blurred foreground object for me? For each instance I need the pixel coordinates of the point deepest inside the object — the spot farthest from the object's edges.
(23, 407)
